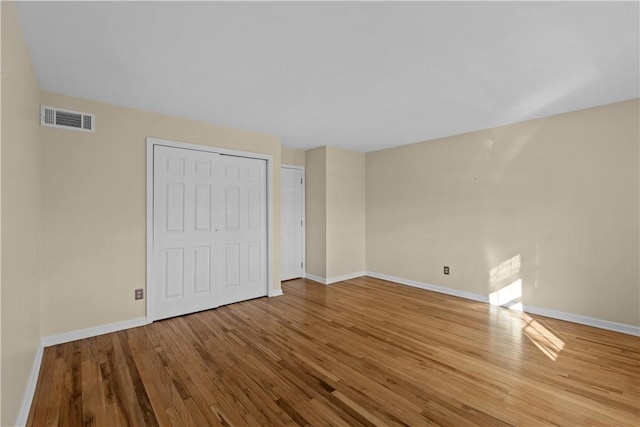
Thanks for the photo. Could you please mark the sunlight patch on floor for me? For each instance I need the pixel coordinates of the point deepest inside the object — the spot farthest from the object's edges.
(546, 341)
(510, 297)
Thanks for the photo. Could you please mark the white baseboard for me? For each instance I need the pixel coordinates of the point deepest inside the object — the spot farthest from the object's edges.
(547, 312)
(316, 278)
(336, 279)
(30, 390)
(275, 293)
(429, 287)
(94, 331)
(583, 320)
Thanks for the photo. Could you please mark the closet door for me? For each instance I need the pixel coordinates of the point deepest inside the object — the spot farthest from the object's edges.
(243, 229)
(186, 185)
(209, 230)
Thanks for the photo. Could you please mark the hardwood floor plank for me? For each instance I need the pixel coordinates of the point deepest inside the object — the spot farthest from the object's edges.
(71, 392)
(124, 395)
(360, 352)
(329, 415)
(93, 409)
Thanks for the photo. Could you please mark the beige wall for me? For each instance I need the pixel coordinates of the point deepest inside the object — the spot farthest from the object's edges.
(20, 191)
(291, 156)
(335, 211)
(94, 209)
(559, 194)
(316, 212)
(345, 212)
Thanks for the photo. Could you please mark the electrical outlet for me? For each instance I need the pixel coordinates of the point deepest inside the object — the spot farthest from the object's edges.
(446, 270)
(139, 293)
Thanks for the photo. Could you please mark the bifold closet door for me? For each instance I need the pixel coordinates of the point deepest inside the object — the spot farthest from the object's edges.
(209, 230)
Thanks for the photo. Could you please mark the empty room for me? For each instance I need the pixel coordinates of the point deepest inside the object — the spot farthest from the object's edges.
(319, 213)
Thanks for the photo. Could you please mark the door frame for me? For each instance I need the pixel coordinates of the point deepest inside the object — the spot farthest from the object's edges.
(151, 142)
(304, 215)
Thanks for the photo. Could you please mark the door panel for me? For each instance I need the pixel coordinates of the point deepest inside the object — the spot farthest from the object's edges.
(174, 273)
(203, 207)
(232, 207)
(202, 269)
(175, 207)
(253, 263)
(291, 223)
(232, 266)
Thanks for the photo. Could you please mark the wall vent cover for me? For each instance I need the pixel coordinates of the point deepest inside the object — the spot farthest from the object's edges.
(67, 119)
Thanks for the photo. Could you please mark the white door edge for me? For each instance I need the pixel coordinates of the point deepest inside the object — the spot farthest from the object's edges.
(304, 216)
(151, 142)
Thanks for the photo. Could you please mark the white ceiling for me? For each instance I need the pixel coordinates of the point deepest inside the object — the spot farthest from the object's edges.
(363, 75)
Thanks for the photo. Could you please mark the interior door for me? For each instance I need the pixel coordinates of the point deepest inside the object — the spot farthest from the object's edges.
(186, 183)
(291, 223)
(243, 230)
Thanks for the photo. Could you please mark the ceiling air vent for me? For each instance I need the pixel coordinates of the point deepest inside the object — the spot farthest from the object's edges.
(67, 119)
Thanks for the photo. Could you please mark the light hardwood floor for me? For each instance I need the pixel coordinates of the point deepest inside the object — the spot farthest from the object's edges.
(361, 352)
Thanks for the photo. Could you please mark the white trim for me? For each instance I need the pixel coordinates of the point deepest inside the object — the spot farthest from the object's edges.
(430, 287)
(547, 312)
(316, 278)
(30, 390)
(149, 304)
(92, 332)
(336, 279)
(275, 293)
(583, 320)
(270, 217)
(225, 151)
(304, 214)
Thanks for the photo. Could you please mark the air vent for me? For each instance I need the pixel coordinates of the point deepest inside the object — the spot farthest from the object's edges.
(67, 119)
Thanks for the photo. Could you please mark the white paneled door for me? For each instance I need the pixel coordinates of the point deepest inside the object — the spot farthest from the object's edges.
(242, 229)
(209, 230)
(291, 215)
